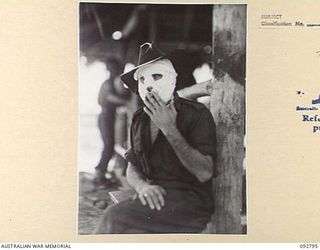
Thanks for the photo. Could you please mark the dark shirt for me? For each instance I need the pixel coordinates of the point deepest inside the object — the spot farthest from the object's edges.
(158, 161)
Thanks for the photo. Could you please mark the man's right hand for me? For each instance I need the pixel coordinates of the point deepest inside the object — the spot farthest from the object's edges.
(153, 195)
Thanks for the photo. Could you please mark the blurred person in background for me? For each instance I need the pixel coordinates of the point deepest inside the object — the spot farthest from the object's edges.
(112, 95)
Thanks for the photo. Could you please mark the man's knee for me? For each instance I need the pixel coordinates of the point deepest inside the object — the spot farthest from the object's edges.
(109, 223)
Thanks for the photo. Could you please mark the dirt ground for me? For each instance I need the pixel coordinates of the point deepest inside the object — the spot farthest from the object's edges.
(92, 202)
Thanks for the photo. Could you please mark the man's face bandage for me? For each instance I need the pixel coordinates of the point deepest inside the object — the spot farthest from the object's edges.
(159, 76)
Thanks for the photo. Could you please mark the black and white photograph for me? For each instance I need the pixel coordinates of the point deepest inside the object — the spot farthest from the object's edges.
(162, 115)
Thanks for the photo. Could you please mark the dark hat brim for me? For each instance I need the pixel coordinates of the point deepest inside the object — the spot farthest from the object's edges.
(128, 79)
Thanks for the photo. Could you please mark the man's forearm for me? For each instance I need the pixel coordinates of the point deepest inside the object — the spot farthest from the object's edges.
(135, 178)
(196, 90)
(151, 195)
(198, 164)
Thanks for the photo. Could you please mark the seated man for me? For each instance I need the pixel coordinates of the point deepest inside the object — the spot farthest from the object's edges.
(171, 159)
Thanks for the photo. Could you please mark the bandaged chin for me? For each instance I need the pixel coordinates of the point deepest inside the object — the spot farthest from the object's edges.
(159, 76)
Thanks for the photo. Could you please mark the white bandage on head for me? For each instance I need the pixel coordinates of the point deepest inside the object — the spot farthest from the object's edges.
(164, 66)
(160, 76)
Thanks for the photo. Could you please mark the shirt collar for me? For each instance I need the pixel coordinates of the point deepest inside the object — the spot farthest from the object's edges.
(177, 100)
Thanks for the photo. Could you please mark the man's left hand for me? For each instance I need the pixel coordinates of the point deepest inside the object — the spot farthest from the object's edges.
(163, 116)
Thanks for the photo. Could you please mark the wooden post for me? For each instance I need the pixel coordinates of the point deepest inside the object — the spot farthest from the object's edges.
(227, 107)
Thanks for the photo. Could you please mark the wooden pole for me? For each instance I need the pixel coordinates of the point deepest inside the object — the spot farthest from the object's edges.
(227, 107)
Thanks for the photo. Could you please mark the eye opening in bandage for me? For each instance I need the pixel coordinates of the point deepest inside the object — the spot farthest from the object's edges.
(157, 76)
(141, 79)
